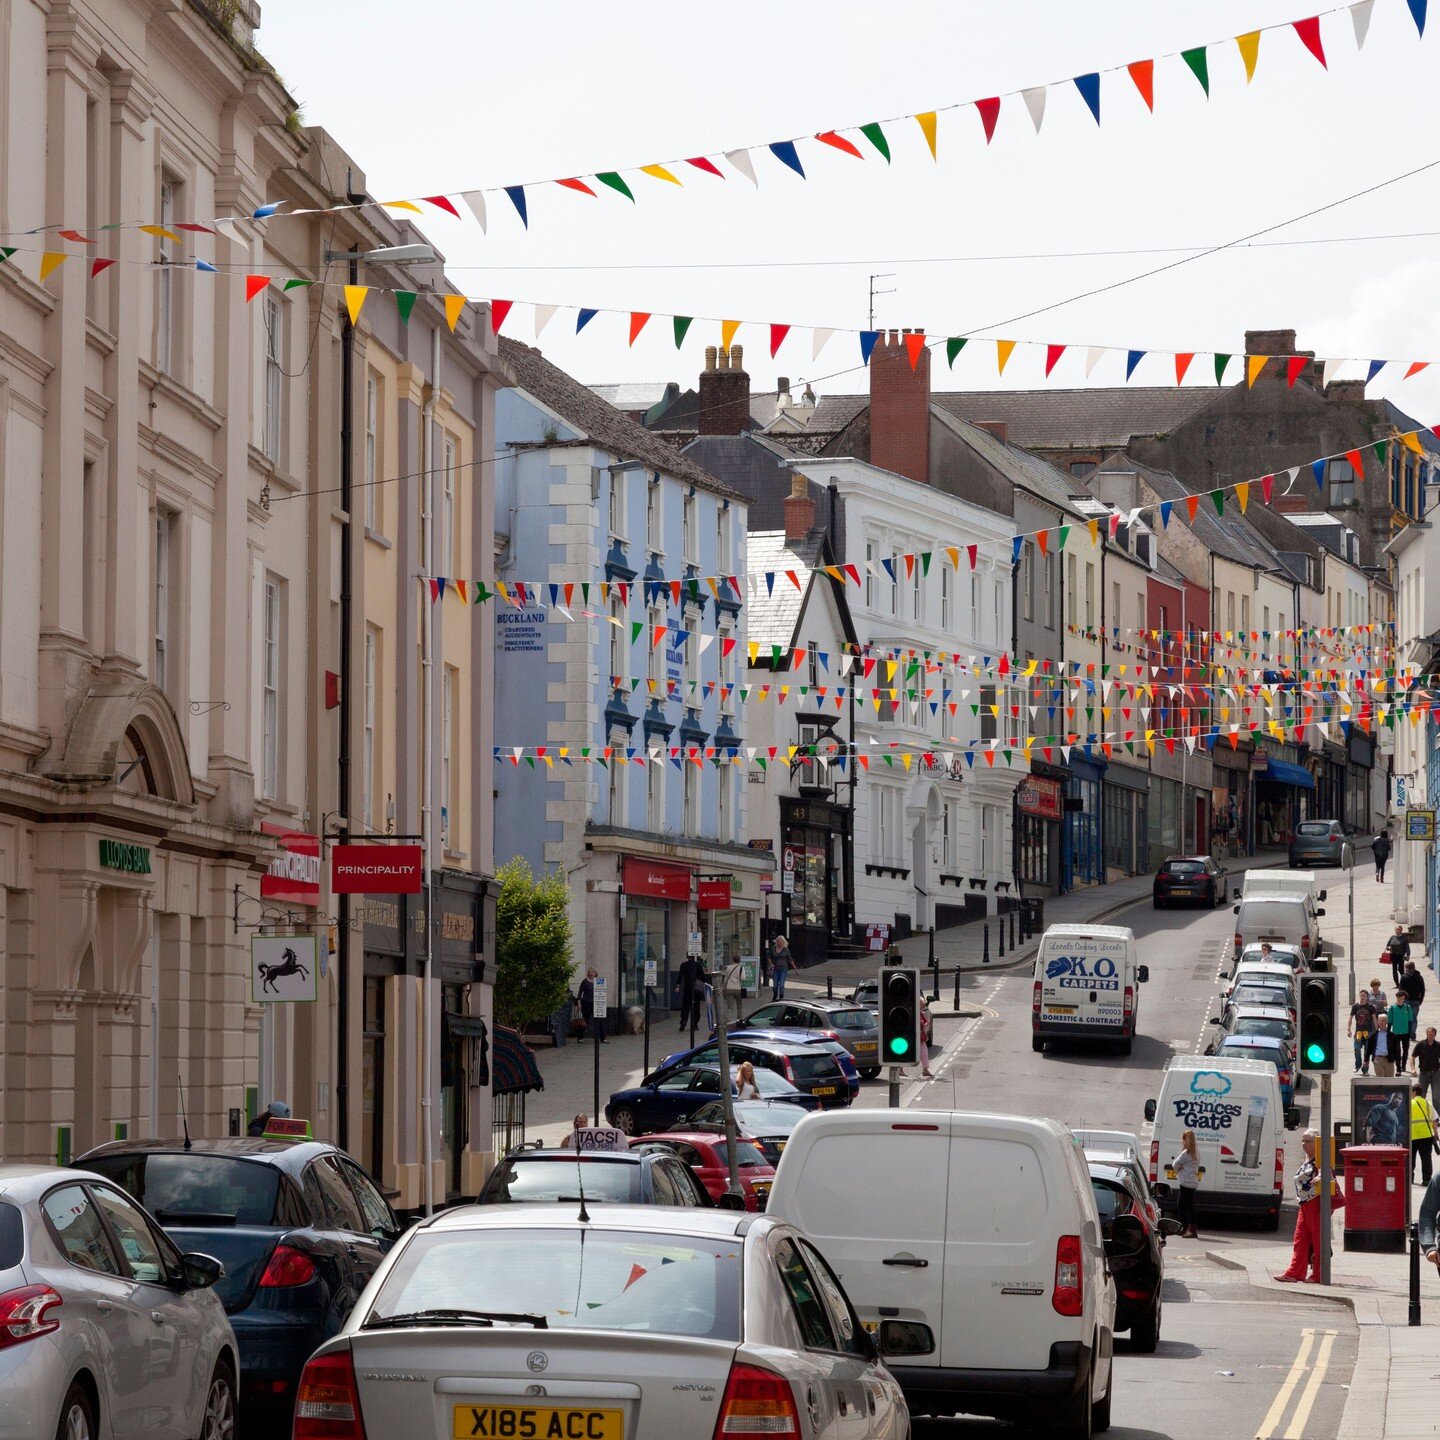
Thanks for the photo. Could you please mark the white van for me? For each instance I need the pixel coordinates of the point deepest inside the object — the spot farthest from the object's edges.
(1087, 986)
(1234, 1108)
(974, 1243)
(1281, 882)
(1280, 919)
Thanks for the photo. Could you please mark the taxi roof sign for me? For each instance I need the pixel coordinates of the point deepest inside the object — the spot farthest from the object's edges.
(278, 1128)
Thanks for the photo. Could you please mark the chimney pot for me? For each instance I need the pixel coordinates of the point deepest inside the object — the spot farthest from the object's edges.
(709, 357)
(724, 394)
(799, 510)
(737, 354)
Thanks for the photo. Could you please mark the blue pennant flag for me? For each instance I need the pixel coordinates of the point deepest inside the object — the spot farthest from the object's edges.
(517, 199)
(867, 344)
(1317, 468)
(784, 150)
(584, 318)
(1166, 506)
(1089, 88)
(1132, 359)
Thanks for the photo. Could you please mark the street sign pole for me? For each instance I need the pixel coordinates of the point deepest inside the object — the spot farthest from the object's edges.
(1347, 860)
(600, 1007)
(652, 976)
(894, 1087)
(1325, 1174)
(727, 1099)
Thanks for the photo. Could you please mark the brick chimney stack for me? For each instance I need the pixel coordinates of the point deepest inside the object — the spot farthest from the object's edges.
(900, 408)
(724, 392)
(1000, 429)
(799, 510)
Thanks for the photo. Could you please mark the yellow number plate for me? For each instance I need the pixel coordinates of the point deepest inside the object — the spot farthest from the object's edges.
(823, 1090)
(866, 1045)
(1061, 1009)
(537, 1422)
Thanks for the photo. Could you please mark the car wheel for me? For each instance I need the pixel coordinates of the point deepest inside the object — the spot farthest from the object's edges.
(1076, 1421)
(869, 1072)
(625, 1120)
(1145, 1333)
(1037, 1044)
(1100, 1417)
(219, 1419)
(77, 1415)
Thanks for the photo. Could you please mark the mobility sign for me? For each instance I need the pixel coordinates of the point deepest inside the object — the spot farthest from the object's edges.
(283, 970)
(377, 869)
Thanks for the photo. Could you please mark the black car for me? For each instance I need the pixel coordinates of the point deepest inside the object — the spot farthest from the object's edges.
(811, 1070)
(1134, 1251)
(299, 1227)
(614, 1177)
(1190, 880)
(767, 1122)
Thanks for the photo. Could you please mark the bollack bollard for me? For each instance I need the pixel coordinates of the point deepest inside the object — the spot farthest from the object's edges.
(985, 958)
(1414, 1274)
(934, 971)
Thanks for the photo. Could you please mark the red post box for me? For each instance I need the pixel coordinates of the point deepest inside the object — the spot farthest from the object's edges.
(1377, 1197)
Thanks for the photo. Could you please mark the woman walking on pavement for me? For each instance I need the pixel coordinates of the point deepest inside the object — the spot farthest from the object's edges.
(779, 966)
(926, 1028)
(1305, 1254)
(1186, 1166)
(1380, 848)
(1423, 1124)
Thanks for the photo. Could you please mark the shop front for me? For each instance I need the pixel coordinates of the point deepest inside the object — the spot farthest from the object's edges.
(1359, 776)
(1284, 792)
(654, 901)
(812, 839)
(384, 927)
(1230, 799)
(1126, 820)
(1083, 860)
(459, 904)
(727, 924)
(1040, 811)
(1328, 766)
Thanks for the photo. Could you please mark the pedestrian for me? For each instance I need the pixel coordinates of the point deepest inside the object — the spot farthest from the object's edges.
(779, 966)
(1186, 1166)
(1413, 984)
(1361, 1029)
(1397, 951)
(1305, 1253)
(926, 1028)
(580, 1122)
(1402, 1030)
(709, 992)
(690, 985)
(587, 1006)
(1426, 1055)
(1423, 1123)
(1379, 1000)
(1382, 1046)
(1429, 1213)
(1380, 848)
(276, 1109)
(745, 1086)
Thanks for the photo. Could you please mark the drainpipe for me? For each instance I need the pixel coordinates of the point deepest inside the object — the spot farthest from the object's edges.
(429, 828)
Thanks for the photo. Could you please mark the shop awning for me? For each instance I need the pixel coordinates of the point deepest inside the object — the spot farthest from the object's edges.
(512, 1067)
(1288, 774)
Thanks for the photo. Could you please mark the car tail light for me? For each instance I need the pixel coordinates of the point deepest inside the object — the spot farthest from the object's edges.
(1035, 1005)
(1154, 1160)
(25, 1314)
(1279, 1170)
(1069, 1296)
(288, 1266)
(327, 1404)
(756, 1402)
(789, 1073)
(1129, 1001)
(1239, 944)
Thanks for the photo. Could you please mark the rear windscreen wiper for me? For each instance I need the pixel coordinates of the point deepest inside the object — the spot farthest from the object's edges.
(455, 1317)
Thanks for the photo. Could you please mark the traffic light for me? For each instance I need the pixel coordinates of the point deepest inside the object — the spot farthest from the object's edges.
(1319, 1021)
(899, 1015)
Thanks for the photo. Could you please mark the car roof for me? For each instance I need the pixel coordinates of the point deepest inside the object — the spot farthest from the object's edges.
(291, 1156)
(1104, 1170)
(1254, 1042)
(23, 1183)
(561, 1152)
(1171, 859)
(1124, 1159)
(1284, 945)
(678, 1220)
(1262, 1012)
(830, 1002)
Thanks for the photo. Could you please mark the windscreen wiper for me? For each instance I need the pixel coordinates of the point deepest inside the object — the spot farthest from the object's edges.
(455, 1317)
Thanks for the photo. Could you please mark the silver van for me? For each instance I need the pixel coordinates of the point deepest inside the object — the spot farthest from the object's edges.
(1280, 919)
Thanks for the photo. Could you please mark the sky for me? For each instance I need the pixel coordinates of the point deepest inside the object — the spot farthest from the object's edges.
(482, 94)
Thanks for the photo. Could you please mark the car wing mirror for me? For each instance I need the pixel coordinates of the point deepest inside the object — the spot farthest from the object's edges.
(1319, 913)
(1143, 974)
(1169, 1226)
(1324, 894)
(1235, 894)
(199, 1271)
(1292, 1118)
(905, 1337)
(1235, 908)
(1150, 1111)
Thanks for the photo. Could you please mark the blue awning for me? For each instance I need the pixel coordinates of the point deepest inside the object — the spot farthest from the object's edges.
(512, 1067)
(1288, 774)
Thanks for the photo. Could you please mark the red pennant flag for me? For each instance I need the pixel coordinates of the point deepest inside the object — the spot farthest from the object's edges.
(658, 636)
(989, 114)
(1114, 525)
(1182, 364)
(909, 566)
(443, 203)
(973, 551)
(1266, 486)
(1309, 33)
(1416, 368)
(708, 166)
(915, 347)
(1052, 355)
(76, 236)
(1142, 72)
(579, 185)
(1354, 457)
(637, 323)
(1293, 367)
(1042, 539)
(254, 284)
(829, 137)
(96, 266)
(1192, 503)
(777, 337)
(499, 309)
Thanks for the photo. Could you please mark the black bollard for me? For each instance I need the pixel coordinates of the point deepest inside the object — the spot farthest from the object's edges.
(1002, 938)
(829, 988)
(1012, 929)
(934, 971)
(1414, 1274)
(985, 959)
(957, 985)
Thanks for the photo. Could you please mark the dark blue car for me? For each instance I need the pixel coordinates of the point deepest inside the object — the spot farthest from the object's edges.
(299, 1227)
(674, 1092)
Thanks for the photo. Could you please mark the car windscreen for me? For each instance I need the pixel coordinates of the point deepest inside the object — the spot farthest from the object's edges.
(1184, 867)
(763, 1119)
(1275, 1029)
(1313, 827)
(747, 1155)
(1260, 995)
(520, 1181)
(12, 1236)
(196, 1188)
(1110, 1200)
(1252, 1052)
(856, 1019)
(595, 1279)
(767, 1082)
(814, 1067)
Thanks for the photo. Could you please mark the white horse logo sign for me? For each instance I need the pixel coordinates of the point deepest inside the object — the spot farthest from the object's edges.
(282, 969)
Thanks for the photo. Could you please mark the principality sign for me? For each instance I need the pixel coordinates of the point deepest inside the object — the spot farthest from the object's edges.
(294, 874)
(377, 869)
(1037, 796)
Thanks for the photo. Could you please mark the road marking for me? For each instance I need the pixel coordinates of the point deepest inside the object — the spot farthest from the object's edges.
(1281, 1403)
(1312, 1389)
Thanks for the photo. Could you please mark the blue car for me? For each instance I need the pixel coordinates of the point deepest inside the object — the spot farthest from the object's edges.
(674, 1092)
(1264, 1047)
(299, 1227)
(710, 1052)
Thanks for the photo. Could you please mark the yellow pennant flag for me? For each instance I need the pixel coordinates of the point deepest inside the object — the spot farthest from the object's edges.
(754, 651)
(162, 232)
(1410, 442)
(1254, 364)
(954, 555)
(355, 301)
(401, 205)
(926, 121)
(1242, 494)
(1003, 351)
(727, 331)
(1249, 52)
(1094, 528)
(660, 173)
(454, 306)
(905, 759)
(51, 261)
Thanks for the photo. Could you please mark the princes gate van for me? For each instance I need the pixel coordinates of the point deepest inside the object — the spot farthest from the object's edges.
(1234, 1108)
(1087, 984)
(974, 1246)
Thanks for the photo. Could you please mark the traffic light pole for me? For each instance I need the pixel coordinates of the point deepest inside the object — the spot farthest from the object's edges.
(1325, 1174)
(894, 1087)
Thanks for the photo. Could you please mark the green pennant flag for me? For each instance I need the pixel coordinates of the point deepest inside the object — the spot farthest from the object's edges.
(636, 626)
(744, 693)
(925, 569)
(405, 303)
(876, 136)
(634, 683)
(682, 324)
(1218, 496)
(585, 591)
(6, 251)
(890, 761)
(775, 656)
(584, 752)
(694, 589)
(482, 593)
(1064, 535)
(953, 346)
(1195, 59)
(1221, 361)
(296, 285)
(1381, 447)
(529, 760)
(763, 763)
(1006, 754)
(974, 709)
(614, 180)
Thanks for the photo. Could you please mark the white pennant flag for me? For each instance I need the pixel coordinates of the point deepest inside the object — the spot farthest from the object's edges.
(231, 229)
(822, 339)
(1360, 18)
(1035, 103)
(706, 641)
(543, 315)
(1331, 369)
(740, 159)
(1092, 358)
(1294, 473)
(475, 199)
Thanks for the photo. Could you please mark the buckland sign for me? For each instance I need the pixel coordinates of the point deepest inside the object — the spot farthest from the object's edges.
(376, 869)
(294, 874)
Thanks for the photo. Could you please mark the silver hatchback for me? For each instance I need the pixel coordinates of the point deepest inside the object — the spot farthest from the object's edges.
(629, 1323)
(105, 1327)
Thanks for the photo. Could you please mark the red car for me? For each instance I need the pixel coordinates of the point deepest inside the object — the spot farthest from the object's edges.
(705, 1155)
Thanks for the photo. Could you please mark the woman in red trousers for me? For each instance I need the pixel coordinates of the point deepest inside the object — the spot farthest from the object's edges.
(1305, 1256)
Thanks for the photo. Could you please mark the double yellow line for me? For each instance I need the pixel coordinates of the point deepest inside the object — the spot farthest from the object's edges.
(1269, 1426)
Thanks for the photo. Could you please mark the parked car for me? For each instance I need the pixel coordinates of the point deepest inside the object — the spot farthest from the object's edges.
(1191, 879)
(610, 1177)
(1317, 842)
(820, 1040)
(807, 1067)
(299, 1227)
(1130, 1162)
(769, 1123)
(106, 1327)
(526, 1322)
(1279, 920)
(673, 1094)
(1268, 1048)
(1134, 1240)
(1257, 994)
(1278, 955)
(866, 993)
(1272, 1021)
(708, 1157)
(856, 1026)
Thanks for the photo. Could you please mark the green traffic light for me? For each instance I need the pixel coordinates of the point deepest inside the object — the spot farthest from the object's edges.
(899, 1045)
(1315, 1053)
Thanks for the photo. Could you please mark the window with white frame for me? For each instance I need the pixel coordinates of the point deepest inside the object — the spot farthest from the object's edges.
(947, 584)
(725, 801)
(724, 549)
(692, 658)
(1230, 611)
(894, 581)
(886, 818)
(1071, 606)
(655, 768)
(1028, 568)
(974, 607)
(1114, 616)
(372, 453)
(690, 791)
(619, 646)
(654, 517)
(950, 837)
(163, 596)
(870, 554)
(274, 317)
(917, 590)
(997, 596)
(448, 774)
(165, 318)
(727, 668)
(1139, 612)
(690, 539)
(989, 717)
(449, 528)
(1049, 565)
(270, 709)
(812, 661)
(368, 776)
(1089, 596)
(617, 777)
(617, 505)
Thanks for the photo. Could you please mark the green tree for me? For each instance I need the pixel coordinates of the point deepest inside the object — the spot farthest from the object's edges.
(532, 944)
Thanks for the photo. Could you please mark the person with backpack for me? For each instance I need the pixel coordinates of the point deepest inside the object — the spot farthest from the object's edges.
(1380, 848)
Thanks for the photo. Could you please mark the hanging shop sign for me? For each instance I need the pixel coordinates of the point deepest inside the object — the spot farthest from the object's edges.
(1038, 796)
(283, 969)
(1420, 825)
(714, 894)
(655, 878)
(294, 874)
(377, 869)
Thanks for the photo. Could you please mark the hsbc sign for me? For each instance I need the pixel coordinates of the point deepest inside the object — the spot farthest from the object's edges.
(294, 874)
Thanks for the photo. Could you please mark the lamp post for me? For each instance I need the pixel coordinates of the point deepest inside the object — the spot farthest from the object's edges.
(1347, 863)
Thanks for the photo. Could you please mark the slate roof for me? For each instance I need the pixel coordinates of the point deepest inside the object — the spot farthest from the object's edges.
(635, 395)
(1020, 467)
(755, 465)
(601, 423)
(771, 619)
